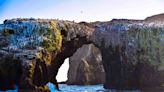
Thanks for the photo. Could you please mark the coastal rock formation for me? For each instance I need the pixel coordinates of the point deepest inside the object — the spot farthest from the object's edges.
(86, 66)
(32, 50)
(132, 53)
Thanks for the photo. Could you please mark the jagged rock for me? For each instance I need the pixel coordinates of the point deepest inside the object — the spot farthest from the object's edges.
(132, 53)
(32, 50)
(86, 66)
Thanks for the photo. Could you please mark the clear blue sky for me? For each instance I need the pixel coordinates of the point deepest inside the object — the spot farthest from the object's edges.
(80, 10)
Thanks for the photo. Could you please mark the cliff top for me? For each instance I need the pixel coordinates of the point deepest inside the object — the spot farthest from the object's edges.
(155, 18)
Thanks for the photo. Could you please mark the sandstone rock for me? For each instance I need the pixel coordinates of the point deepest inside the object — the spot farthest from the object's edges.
(86, 66)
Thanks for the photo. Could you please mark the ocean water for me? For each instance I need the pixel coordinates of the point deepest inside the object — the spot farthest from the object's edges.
(77, 88)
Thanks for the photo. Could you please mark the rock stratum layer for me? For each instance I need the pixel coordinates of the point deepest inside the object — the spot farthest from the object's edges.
(32, 51)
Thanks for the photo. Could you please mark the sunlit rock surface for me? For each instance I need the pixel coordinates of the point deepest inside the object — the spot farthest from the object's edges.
(86, 66)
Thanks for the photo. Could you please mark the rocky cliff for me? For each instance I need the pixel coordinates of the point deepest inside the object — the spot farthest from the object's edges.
(132, 53)
(32, 50)
(86, 66)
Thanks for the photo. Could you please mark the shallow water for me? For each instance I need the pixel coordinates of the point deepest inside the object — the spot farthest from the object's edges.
(77, 88)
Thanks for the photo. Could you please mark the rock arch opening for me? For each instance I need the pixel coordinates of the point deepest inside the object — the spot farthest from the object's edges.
(63, 71)
(84, 67)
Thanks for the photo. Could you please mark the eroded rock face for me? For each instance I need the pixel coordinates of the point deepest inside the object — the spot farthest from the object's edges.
(132, 53)
(32, 51)
(86, 67)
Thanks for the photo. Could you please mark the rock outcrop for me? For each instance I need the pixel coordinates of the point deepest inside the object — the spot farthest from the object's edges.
(132, 53)
(32, 50)
(86, 67)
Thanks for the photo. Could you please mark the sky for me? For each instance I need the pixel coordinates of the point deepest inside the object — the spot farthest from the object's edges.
(79, 10)
(63, 70)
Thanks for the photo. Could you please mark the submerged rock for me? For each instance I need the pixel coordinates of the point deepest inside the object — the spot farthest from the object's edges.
(86, 67)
